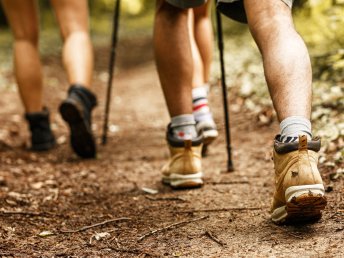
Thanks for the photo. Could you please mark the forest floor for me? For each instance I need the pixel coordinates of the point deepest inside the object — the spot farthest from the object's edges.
(47, 199)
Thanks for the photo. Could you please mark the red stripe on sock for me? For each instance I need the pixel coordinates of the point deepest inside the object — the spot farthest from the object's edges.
(195, 108)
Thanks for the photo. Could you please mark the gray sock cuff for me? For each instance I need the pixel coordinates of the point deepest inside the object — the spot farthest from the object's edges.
(182, 120)
(295, 125)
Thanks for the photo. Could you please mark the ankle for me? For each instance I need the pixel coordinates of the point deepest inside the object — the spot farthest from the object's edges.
(183, 127)
(294, 126)
(84, 94)
(201, 110)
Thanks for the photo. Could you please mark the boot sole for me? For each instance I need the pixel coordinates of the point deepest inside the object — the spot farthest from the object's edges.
(304, 204)
(81, 138)
(43, 146)
(208, 137)
(178, 181)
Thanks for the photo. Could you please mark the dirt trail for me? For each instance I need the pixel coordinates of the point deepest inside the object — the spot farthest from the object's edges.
(60, 192)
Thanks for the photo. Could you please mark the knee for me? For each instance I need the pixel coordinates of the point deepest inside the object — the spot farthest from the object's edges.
(29, 35)
(270, 21)
(72, 26)
(73, 31)
(270, 28)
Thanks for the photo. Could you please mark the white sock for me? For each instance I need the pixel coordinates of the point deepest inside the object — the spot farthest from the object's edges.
(201, 109)
(294, 126)
(183, 127)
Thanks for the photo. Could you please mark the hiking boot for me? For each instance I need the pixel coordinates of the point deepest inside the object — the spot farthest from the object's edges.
(184, 169)
(42, 138)
(76, 111)
(208, 131)
(299, 190)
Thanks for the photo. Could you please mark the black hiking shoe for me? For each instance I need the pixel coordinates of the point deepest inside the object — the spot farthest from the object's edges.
(42, 138)
(76, 111)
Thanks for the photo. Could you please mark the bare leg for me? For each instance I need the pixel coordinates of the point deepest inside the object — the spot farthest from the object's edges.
(198, 71)
(201, 44)
(22, 16)
(203, 33)
(286, 61)
(173, 57)
(72, 16)
(299, 191)
(175, 67)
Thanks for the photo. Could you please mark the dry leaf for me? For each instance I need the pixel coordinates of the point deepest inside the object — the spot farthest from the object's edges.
(149, 190)
(46, 233)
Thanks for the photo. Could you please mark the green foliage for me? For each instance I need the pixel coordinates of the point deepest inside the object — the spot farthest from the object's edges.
(330, 67)
(128, 8)
(321, 23)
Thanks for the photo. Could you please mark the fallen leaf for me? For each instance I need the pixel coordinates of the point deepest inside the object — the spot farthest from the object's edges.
(2, 181)
(46, 233)
(149, 190)
(101, 235)
(37, 185)
(113, 128)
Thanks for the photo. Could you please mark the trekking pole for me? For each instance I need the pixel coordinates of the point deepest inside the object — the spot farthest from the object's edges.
(114, 40)
(230, 167)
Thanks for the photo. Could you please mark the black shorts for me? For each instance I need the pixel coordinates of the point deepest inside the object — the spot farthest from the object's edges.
(235, 10)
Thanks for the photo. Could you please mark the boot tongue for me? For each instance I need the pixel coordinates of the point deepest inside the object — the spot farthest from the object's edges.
(303, 146)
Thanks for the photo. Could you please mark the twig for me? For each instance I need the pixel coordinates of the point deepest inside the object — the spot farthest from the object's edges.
(94, 225)
(223, 209)
(164, 198)
(227, 182)
(174, 225)
(214, 238)
(85, 202)
(26, 213)
(91, 239)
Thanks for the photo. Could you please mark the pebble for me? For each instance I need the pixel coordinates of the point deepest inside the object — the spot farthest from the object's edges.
(2, 181)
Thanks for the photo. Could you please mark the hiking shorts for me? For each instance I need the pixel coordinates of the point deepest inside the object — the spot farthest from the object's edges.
(234, 9)
(186, 3)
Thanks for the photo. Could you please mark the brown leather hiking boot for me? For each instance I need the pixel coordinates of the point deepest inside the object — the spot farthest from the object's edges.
(299, 190)
(184, 169)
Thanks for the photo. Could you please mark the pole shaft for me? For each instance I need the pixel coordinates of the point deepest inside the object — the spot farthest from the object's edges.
(224, 89)
(114, 40)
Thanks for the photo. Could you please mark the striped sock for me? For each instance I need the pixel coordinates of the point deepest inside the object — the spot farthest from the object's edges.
(201, 109)
(294, 126)
(183, 127)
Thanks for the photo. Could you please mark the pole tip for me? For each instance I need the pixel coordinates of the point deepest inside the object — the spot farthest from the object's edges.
(230, 166)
